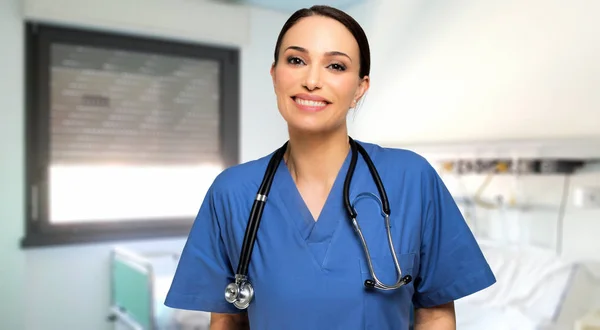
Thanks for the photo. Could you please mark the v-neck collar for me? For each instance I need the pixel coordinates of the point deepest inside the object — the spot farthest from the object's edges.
(317, 235)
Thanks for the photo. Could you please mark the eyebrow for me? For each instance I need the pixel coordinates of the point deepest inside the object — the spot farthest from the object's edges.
(331, 53)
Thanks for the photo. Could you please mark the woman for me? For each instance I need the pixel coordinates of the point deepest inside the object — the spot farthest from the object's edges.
(308, 266)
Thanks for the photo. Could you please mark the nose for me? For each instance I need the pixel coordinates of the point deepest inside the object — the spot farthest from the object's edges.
(312, 80)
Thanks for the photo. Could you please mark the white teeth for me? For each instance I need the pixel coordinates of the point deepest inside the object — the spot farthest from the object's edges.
(310, 103)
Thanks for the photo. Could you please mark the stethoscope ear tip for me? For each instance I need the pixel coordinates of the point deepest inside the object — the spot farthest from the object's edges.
(369, 284)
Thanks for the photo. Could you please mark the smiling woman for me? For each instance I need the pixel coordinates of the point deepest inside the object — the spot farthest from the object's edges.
(312, 266)
(314, 71)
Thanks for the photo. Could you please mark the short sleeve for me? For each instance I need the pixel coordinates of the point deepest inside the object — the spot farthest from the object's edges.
(204, 269)
(452, 265)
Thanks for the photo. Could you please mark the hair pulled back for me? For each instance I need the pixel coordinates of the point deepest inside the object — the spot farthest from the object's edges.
(350, 23)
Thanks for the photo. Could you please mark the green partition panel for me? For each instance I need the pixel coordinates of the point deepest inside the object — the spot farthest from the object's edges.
(131, 291)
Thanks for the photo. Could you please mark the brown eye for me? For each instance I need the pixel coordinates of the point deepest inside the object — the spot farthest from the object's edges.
(294, 60)
(337, 67)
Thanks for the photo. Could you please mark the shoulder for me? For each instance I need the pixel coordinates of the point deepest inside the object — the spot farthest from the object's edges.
(399, 160)
(240, 177)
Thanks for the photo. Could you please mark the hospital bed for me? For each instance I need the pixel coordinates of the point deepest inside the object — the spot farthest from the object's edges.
(535, 289)
(139, 284)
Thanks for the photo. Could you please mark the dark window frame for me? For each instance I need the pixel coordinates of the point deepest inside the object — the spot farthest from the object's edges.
(39, 231)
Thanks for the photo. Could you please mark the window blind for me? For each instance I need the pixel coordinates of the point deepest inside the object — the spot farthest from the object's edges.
(130, 108)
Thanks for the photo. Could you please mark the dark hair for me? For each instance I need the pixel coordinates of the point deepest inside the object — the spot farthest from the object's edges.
(350, 23)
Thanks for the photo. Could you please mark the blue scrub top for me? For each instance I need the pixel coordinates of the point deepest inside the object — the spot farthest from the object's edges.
(310, 274)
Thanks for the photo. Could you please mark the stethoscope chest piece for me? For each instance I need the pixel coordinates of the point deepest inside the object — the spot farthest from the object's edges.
(239, 293)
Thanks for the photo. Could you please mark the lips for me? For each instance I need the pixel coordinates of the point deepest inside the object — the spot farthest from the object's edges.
(309, 102)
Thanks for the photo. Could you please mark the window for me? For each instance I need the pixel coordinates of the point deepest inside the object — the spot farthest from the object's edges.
(124, 134)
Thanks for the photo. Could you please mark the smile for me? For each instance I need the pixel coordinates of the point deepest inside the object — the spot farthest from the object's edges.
(310, 105)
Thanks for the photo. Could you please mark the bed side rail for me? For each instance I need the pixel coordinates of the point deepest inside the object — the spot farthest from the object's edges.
(131, 277)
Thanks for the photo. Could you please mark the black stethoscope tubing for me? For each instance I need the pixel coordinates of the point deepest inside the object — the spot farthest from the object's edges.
(384, 199)
(241, 291)
(265, 187)
(257, 210)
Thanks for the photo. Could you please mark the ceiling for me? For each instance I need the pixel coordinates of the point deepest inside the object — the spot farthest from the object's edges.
(292, 5)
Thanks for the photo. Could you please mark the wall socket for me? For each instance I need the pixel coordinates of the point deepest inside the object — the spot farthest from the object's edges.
(587, 197)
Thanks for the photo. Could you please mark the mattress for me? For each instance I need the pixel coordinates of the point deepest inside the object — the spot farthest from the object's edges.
(473, 316)
(531, 290)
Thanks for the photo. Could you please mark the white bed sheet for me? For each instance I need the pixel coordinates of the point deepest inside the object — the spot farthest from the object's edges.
(476, 317)
(531, 283)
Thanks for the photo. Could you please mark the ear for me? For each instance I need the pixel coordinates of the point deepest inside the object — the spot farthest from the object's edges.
(363, 87)
(272, 72)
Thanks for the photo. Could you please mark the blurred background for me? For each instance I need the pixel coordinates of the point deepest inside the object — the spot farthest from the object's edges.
(115, 116)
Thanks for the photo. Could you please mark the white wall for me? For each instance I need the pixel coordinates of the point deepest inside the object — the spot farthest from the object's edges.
(263, 129)
(198, 20)
(464, 70)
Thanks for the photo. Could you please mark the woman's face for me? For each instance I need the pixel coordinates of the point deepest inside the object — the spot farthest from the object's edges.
(316, 78)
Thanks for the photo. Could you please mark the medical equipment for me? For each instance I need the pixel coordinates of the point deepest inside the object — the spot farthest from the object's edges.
(241, 292)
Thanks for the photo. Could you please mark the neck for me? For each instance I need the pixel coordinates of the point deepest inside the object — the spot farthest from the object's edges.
(316, 158)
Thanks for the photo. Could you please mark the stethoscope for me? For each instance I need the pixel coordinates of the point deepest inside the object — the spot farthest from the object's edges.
(241, 292)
